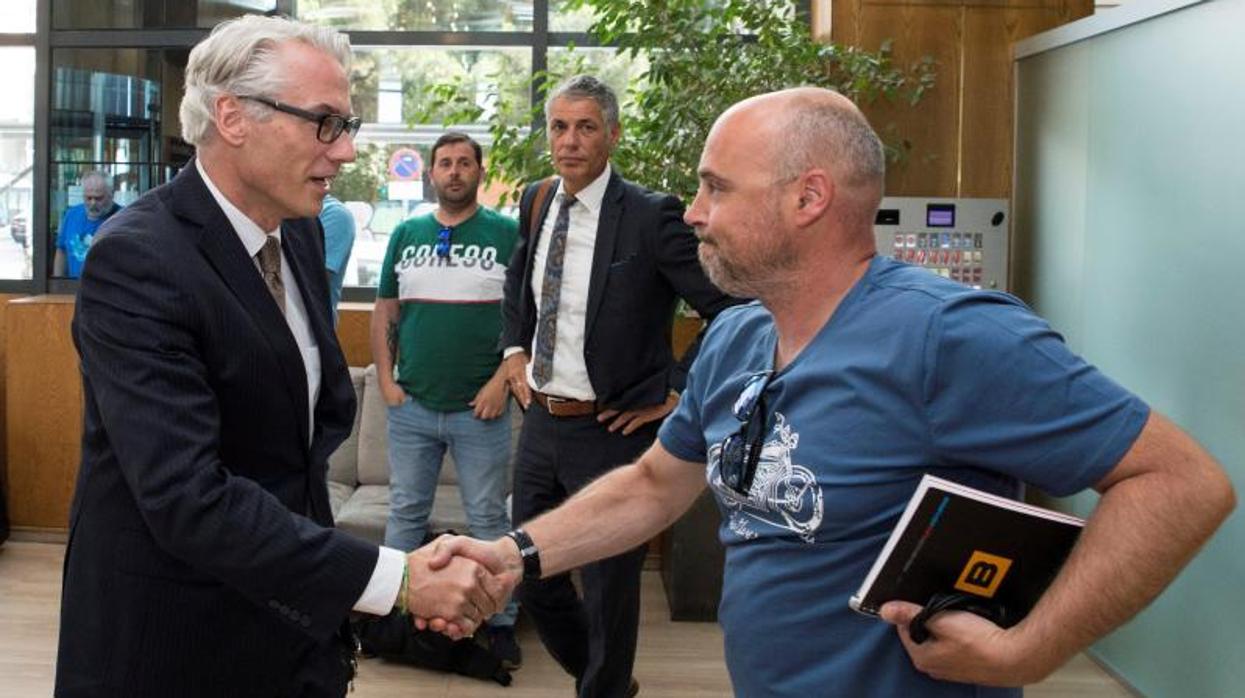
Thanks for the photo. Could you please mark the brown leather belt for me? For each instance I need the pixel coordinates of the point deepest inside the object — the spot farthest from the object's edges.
(565, 407)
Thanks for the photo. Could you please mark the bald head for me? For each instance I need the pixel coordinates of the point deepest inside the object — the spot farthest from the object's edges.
(805, 128)
(789, 186)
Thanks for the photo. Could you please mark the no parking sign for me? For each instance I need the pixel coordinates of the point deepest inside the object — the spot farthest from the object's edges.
(405, 165)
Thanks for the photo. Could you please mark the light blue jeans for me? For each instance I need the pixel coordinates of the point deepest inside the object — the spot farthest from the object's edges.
(418, 439)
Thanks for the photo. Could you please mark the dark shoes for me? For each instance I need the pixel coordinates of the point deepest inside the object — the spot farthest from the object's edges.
(504, 646)
(633, 689)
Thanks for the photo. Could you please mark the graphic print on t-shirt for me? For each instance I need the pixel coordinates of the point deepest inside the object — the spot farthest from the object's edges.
(468, 274)
(784, 495)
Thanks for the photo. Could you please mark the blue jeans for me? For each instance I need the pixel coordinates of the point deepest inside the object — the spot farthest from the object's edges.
(418, 439)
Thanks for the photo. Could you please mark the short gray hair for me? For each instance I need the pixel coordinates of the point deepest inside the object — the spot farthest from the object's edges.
(101, 177)
(819, 133)
(237, 58)
(587, 87)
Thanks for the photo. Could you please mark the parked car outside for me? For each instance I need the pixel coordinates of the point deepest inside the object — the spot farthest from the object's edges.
(17, 228)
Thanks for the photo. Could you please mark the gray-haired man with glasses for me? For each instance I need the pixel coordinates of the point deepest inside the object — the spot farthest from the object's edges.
(814, 413)
(202, 558)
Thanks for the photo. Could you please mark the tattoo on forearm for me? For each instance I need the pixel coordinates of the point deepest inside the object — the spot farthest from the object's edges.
(391, 334)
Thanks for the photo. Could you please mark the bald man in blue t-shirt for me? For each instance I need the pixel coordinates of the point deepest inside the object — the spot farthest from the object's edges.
(814, 413)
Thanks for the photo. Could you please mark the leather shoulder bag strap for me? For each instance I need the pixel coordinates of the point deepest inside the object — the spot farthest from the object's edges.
(538, 202)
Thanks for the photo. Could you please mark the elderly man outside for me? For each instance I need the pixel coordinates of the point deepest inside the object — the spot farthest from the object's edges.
(81, 222)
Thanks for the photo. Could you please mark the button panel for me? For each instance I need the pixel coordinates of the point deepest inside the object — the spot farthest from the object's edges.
(969, 245)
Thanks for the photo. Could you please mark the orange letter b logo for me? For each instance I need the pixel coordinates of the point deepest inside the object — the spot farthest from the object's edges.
(983, 574)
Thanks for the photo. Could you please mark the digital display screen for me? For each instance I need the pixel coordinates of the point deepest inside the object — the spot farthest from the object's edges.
(887, 216)
(940, 215)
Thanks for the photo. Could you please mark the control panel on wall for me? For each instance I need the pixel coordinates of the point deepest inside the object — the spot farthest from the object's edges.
(964, 240)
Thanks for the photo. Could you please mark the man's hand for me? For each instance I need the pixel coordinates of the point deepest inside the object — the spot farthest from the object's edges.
(967, 648)
(500, 558)
(631, 420)
(392, 392)
(460, 591)
(490, 400)
(515, 371)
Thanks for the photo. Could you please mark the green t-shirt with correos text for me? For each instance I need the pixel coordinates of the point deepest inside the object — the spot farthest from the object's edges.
(449, 319)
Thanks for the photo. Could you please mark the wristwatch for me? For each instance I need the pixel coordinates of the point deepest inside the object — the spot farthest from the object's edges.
(528, 552)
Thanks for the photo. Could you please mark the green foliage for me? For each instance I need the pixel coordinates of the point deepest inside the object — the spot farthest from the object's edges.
(362, 179)
(698, 57)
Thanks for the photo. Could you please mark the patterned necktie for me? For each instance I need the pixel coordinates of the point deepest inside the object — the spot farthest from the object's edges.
(550, 295)
(269, 257)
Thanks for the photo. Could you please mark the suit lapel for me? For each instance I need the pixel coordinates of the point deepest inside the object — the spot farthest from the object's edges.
(224, 251)
(603, 252)
(300, 249)
(298, 252)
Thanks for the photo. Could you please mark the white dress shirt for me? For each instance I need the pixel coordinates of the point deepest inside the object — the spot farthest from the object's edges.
(382, 589)
(570, 372)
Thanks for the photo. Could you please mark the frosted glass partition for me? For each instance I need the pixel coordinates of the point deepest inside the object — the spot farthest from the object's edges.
(1129, 236)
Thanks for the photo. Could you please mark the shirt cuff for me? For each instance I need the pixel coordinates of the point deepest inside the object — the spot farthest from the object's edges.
(510, 351)
(381, 594)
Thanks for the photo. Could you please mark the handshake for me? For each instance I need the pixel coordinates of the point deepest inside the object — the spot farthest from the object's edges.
(456, 583)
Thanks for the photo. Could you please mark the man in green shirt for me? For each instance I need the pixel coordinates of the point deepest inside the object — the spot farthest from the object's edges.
(438, 317)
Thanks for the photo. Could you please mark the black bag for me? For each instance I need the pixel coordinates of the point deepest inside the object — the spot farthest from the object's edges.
(394, 637)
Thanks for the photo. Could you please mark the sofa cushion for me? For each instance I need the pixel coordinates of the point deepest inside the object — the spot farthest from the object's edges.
(373, 433)
(339, 492)
(365, 513)
(344, 463)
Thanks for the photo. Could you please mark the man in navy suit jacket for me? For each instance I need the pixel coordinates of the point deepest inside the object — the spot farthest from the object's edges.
(588, 349)
(202, 560)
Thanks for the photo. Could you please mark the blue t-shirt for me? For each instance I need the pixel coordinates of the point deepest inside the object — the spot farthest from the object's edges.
(75, 235)
(338, 242)
(912, 374)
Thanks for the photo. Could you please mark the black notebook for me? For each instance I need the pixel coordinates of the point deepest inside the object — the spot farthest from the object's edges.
(952, 538)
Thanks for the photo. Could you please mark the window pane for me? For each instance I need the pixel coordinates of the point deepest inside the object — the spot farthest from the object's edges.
(137, 14)
(17, 16)
(114, 111)
(17, 141)
(562, 19)
(420, 15)
(388, 182)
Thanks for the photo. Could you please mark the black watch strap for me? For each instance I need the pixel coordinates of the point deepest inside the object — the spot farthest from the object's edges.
(528, 552)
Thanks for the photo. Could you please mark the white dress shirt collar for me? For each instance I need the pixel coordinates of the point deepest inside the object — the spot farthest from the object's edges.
(252, 236)
(592, 195)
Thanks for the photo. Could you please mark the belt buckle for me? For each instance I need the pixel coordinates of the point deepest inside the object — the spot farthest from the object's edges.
(552, 402)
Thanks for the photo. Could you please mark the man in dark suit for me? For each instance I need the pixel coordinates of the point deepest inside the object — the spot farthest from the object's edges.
(202, 559)
(590, 296)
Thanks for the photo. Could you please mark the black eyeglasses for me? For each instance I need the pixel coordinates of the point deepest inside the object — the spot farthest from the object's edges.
(741, 451)
(443, 241)
(332, 126)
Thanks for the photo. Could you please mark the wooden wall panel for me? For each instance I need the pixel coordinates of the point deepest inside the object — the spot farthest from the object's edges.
(353, 328)
(4, 307)
(43, 411)
(962, 131)
(988, 114)
(932, 126)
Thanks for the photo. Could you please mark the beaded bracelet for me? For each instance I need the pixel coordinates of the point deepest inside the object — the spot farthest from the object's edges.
(406, 578)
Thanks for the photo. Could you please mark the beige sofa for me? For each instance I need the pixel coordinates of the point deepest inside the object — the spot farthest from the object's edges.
(359, 470)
